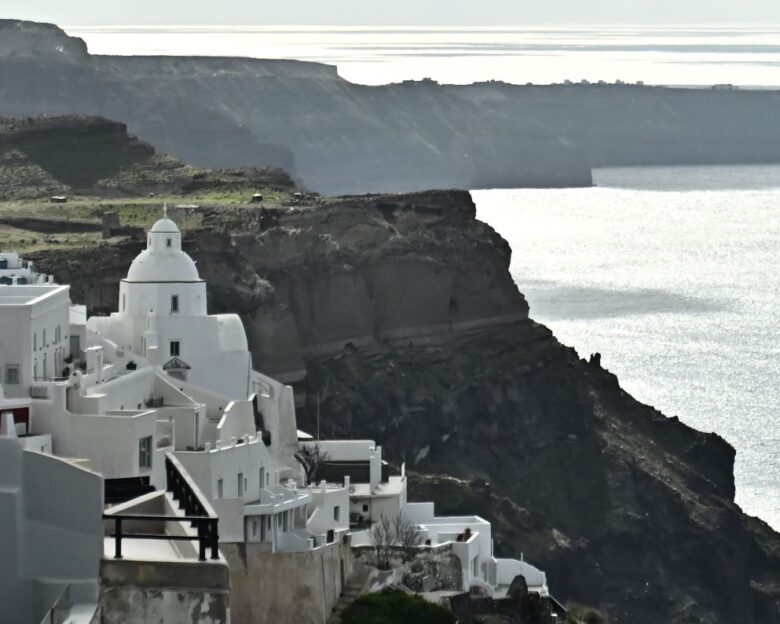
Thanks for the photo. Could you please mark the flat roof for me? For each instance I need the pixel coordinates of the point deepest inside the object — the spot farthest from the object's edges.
(28, 294)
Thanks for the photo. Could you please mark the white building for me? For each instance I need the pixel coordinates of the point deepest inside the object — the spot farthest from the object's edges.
(162, 374)
(374, 494)
(51, 538)
(163, 318)
(34, 335)
(14, 270)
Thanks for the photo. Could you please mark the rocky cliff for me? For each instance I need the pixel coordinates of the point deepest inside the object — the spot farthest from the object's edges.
(42, 156)
(402, 313)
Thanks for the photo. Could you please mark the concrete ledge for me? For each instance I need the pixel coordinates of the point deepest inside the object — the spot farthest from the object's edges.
(213, 576)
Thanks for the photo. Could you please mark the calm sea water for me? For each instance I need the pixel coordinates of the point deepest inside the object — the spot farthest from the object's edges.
(656, 55)
(670, 273)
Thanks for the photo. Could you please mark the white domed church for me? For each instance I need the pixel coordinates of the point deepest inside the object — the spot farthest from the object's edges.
(163, 319)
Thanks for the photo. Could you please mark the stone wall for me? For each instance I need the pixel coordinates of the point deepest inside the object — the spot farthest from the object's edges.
(285, 588)
(134, 592)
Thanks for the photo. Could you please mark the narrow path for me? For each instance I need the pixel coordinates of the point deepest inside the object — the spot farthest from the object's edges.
(354, 589)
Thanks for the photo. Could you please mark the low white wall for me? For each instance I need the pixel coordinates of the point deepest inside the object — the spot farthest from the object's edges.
(508, 569)
(346, 450)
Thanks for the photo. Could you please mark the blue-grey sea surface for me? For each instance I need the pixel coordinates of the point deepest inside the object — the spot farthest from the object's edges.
(672, 275)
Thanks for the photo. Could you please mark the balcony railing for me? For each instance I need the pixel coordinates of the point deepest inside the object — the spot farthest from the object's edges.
(197, 511)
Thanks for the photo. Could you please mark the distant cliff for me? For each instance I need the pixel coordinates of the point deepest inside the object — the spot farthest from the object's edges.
(337, 137)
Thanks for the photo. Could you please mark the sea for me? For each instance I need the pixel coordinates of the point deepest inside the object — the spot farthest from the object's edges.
(671, 273)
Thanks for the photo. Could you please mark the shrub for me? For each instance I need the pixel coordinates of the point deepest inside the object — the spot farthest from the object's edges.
(395, 607)
(579, 614)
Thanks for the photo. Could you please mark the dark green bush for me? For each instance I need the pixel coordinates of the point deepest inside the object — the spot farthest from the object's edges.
(579, 614)
(395, 607)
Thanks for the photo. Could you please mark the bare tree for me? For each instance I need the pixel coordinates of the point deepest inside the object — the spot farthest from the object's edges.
(311, 457)
(381, 537)
(407, 536)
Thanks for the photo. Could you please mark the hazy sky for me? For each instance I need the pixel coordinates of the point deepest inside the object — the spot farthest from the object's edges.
(384, 12)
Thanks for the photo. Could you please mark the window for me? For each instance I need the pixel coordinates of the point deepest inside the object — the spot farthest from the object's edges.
(124, 302)
(145, 453)
(175, 348)
(261, 481)
(35, 341)
(337, 513)
(169, 242)
(174, 304)
(43, 339)
(240, 484)
(12, 374)
(365, 508)
(220, 488)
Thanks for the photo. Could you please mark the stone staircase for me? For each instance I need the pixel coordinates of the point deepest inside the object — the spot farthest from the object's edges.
(354, 589)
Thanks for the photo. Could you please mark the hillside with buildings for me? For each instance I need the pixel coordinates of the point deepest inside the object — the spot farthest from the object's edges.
(396, 320)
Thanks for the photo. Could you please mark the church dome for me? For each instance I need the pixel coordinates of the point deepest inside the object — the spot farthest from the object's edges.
(165, 225)
(163, 259)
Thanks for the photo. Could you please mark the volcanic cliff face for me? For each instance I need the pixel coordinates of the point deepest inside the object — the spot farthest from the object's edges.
(403, 314)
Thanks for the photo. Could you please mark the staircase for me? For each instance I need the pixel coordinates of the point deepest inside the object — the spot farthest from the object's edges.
(354, 589)
(122, 490)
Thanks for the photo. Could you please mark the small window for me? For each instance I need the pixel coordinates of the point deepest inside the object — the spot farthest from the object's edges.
(12, 374)
(35, 341)
(175, 348)
(220, 488)
(337, 513)
(365, 508)
(174, 304)
(240, 484)
(169, 242)
(124, 302)
(145, 453)
(43, 339)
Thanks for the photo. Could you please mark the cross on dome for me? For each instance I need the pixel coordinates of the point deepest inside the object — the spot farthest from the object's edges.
(163, 260)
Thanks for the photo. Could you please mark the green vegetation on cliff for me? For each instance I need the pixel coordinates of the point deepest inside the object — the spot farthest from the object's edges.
(395, 607)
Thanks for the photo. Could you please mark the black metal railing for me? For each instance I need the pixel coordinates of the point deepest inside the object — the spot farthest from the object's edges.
(197, 511)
